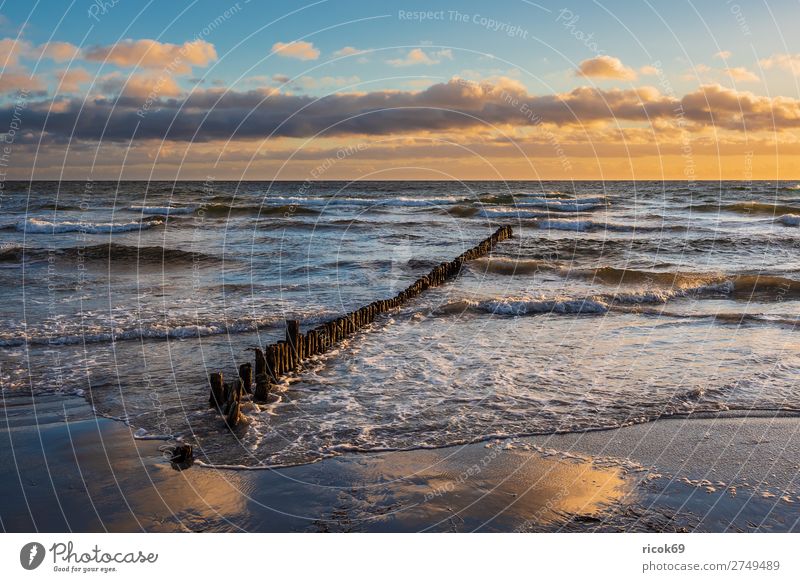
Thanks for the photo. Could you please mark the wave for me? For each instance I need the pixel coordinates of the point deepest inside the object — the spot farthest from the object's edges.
(399, 201)
(113, 252)
(512, 214)
(734, 318)
(770, 285)
(512, 199)
(623, 276)
(752, 207)
(604, 302)
(218, 210)
(461, 211)
(10, 252)
(672, 281)
(590, 225)
(163, 210)
(150, 254)
(596, 304)
(517, 307)
(38, 225)
(565, 204)
(175, 329)
(509, 266)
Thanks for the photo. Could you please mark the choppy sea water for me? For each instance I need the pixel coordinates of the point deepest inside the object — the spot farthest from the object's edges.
(615, 303)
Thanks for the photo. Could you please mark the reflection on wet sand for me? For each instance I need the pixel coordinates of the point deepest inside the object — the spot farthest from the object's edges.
(479, 488)
(90, 474)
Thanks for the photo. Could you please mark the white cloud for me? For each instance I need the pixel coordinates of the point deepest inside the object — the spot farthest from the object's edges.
(301, 50)
(418, 56)
(742, 75)
(784, 61)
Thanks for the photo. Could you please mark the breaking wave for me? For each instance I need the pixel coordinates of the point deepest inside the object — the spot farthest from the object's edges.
(38, 225)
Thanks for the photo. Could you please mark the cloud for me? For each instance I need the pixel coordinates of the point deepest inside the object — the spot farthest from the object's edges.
(347, 51)
(301, 50)
(139, 87)
(605, 67)
(418, 56)
(15, 49)
(723, 55)
(70, 80)
(741, 110)
(151, 54)
(786, 62)
(311, 83)
(649, 70)
(13, 79)
(58, 51)
(455, 106)
(742, 75)
(12, 49)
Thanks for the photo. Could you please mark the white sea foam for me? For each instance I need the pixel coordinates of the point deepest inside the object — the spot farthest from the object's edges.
(576, 225)
(513, 214)
(564, 205)
(530, 307)
(592, 304)
(101, 334)
(354, 201)
(38, 225)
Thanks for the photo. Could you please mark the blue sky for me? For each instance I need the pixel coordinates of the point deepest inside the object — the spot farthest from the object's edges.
(680, 35)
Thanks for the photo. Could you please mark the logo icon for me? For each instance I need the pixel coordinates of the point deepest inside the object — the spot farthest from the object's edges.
(31, 555)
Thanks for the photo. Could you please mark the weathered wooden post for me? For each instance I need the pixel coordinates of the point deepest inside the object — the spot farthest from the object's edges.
(233, 401)
(262, 379)
(246, 374)
(217, 398)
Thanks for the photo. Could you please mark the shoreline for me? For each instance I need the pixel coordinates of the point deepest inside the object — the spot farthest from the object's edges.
(79, 472)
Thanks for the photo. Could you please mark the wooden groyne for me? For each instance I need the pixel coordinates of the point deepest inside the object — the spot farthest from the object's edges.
(286, 356)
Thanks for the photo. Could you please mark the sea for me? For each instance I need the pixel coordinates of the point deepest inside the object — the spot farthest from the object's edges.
(614, 303)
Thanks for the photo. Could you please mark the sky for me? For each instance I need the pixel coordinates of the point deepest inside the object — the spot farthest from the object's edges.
(340, 89)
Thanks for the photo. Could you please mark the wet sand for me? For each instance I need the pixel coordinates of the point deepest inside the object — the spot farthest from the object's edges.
(66, 470)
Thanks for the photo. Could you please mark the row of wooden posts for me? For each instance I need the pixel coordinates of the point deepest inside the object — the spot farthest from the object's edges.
(285, 357)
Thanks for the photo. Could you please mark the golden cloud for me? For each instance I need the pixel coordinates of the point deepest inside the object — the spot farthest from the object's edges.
(418, 56)
(605, 67)
(787, 62)
(151, 54)
(139, 87)
(14, 79)
(301, 50)
(70, 80)
(742, 75)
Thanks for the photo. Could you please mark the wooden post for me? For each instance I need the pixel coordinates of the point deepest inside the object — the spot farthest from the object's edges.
(217, 398)
(246, 374)
(270, 364)
(262, 380)
(292, 331)
(232, 404)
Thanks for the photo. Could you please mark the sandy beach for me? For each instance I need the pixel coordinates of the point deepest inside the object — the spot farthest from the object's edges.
(73, 472)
